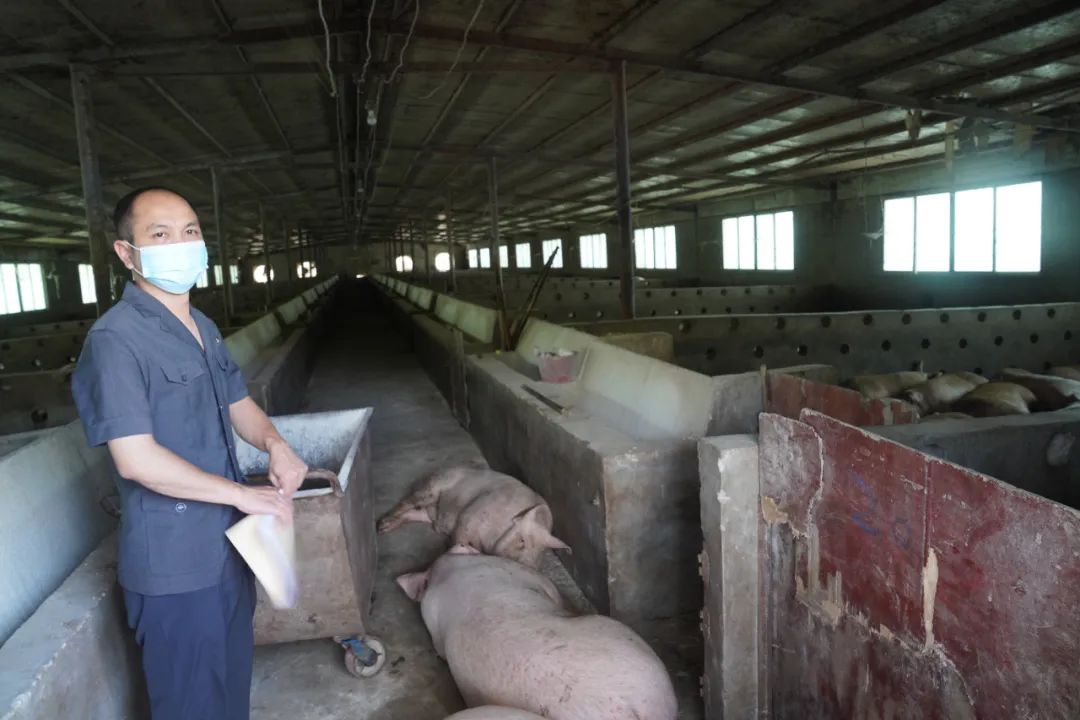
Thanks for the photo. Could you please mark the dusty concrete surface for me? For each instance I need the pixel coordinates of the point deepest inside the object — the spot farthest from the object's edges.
(413, 432)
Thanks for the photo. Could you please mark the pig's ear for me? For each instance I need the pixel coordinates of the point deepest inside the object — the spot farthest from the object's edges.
(462, 549)
(414, 584)
(529, 517)
(556, 544)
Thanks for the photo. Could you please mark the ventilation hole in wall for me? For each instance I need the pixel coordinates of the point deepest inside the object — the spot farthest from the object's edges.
(723, 291)
(599, 313)
(619, 296)
(867, 319)
(802, 350)
(776, 308)
(916, 366)
(977, 371)
(728, 309)
(652, 313)
(886, 345)
(826, 321)
(845, 349)
(704, 311)
(759, 351)
(999, 340)
(570, 314)
(674, 294)
(781, 323)
(962, 343)
(1051, 313)
(906, 318)
(1068, 334)
(676, 311)
(734, 323)
(699, 292)
(544, 315)
(558, 296)
(610, 283)
(648, 293)
(770, 291)
(751, 308)
(925, 343)
(710, 353)
(585, 296)
(1034, 338)
(1017, 314)
(1047, 365)
(944, 317)
(981, 317)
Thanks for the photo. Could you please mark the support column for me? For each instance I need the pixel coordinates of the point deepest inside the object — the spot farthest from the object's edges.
(289, 271)
(266, 254)
(622, 194)
(223, 253)
(452, 287)
(96, 225)
(500, 297)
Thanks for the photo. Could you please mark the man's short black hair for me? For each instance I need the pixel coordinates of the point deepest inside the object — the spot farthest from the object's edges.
(122, 213)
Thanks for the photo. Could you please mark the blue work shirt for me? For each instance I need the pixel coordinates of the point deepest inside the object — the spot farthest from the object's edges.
(141, 371)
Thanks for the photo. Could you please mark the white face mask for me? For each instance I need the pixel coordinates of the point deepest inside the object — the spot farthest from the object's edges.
(173, 267)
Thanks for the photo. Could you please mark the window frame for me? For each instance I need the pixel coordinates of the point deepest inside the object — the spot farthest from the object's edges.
(435, 261)
(18, 287)
(675, 244)
(86, 283)
(952, 189)
(755, 214)
(518, 254)
(597, 240)
(560, 260)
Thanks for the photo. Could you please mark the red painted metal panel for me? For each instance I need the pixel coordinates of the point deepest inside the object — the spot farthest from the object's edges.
(787, 395)
(1007, 607)
(997, 568)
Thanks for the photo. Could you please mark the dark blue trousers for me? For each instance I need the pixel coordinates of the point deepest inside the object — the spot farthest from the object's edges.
(197, 649)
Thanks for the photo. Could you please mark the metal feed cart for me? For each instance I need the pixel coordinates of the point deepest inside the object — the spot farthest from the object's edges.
(335, 536)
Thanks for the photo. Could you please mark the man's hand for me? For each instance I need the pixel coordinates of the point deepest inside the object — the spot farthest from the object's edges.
(287, 471)
(254, 500)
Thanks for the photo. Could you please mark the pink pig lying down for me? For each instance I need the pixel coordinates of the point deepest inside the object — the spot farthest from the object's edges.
(509, 641)
(487, 510)
(490, 712)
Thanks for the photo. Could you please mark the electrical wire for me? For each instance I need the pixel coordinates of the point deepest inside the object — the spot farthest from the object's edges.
(329, 70)
(405, 45)
(367, 44)
(457, 57)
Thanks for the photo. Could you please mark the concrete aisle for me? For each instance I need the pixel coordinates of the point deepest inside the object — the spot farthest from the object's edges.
(367, 364)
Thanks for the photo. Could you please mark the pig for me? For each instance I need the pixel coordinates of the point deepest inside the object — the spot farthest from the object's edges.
(945, 416)
(1069, 372)
(1051, 392)
(490, 712)
(487, 510)
(937, 394)
(509, 640)
(876, 387)
(996, 398)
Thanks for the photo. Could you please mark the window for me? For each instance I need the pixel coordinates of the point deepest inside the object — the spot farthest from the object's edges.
(593, 250)
(523, 255)
(260, 274)
(760, 242)
(442, 262)
(306, 269)
(218, 281)
(552, 246)
(22, 288)
(203, 281)
(86, 283)
(485, 257)
(654, 248)
(991, 229)
(234, 274)
(403, 263)
(504, 256)
(474, 258)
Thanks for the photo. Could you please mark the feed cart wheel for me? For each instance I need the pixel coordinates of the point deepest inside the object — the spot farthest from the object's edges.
(365, 656)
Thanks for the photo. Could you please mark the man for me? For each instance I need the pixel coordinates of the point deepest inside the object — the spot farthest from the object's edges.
(157, 384)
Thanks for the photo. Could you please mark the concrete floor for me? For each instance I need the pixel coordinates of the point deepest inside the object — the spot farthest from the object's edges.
(413, 433)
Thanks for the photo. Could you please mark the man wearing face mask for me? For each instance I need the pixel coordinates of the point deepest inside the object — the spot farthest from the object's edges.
(156, 383)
